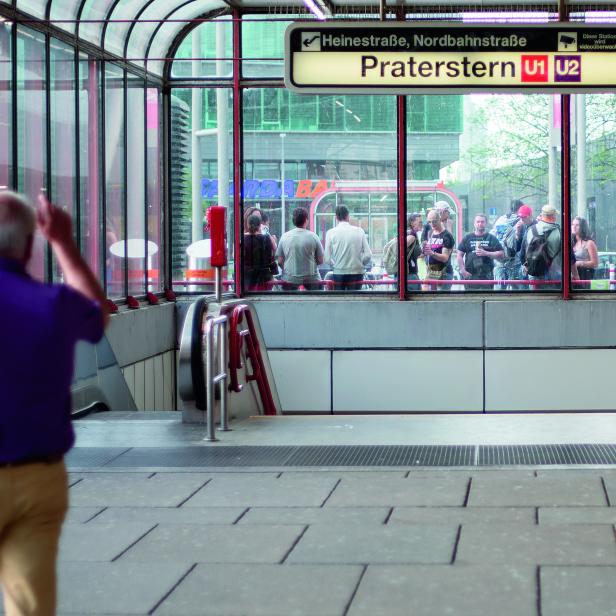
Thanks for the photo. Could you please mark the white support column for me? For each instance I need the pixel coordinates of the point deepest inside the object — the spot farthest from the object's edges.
(554, 142)
(580, 116)
(195, 152)
(222, 119)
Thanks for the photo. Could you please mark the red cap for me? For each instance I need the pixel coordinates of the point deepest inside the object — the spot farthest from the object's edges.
(525, 210)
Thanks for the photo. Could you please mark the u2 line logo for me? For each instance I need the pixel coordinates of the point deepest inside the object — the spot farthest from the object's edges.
(535, 68)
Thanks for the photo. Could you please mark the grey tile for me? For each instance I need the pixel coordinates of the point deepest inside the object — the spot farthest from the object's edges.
(577, 515)
(462, 515)
(585, 473)
(413, 491)
(610, 488)
(538, 545)
(162, 490)
(114, 588)
(442, 589)
(98, 542)
(170, 515)
(342, 474)
(358, 544)
(287, 491)
(497, 491)
(315, 515)
(263, 590)
(79, 515)
(99, 474)
(193, 543)
(571, 591)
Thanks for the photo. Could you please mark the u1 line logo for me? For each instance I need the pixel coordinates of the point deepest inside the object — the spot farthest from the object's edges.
(534, 68)
(568, 68)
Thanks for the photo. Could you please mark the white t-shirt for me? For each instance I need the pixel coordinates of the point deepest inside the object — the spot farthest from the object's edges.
(346, 249)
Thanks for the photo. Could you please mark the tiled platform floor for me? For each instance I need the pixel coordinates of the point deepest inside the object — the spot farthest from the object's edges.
(267, 541)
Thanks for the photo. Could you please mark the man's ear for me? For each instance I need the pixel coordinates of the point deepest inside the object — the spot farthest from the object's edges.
(28, 249)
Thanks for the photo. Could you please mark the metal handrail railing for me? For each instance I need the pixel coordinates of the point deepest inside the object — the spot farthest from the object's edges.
(220, 379)
(236, 338)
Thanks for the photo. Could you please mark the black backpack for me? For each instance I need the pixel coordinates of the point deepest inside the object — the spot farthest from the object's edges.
(538, 260)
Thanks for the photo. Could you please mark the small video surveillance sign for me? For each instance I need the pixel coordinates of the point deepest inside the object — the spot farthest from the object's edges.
(567, 41)
(373, 57)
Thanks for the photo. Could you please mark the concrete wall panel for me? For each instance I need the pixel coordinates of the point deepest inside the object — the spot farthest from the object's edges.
(550, 380)
(407, 381)
(370, 323)
(135, 335)
(550, 323)
(302, 379)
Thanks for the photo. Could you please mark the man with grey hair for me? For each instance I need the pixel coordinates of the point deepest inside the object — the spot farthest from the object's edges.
(442, 207)
(39, 327)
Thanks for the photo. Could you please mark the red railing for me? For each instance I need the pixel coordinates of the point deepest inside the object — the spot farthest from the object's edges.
(253, 353)
(427, 282)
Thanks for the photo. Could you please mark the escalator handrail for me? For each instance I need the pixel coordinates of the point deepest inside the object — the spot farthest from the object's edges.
(236, 337)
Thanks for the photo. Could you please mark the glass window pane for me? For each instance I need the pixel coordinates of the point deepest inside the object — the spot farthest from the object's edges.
(474, 161)
(263, 40)
(201, 165)
(154, 197)
(212, 43)
(350, 164)
(6, 106)
(32, 129)
(92, 20)
(63, 131)
(144, 28)
(119, 24)
(63, 12)
(137, 252)
(115, 210)
(168, 31)
(593, 184)
(36, 8)
(90, 163)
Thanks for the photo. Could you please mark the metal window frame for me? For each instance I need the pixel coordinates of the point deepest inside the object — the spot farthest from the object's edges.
(164, 83)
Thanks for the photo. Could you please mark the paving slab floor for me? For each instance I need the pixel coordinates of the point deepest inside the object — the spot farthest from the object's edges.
(338, 540)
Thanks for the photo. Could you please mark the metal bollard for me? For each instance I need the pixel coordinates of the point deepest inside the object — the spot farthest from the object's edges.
(218, 284)
(212, 380)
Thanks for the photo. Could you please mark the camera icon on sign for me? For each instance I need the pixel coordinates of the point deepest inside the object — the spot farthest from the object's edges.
(567, 41)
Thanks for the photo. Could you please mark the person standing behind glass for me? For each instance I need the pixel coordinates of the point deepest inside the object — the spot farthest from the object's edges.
(549, 266)
(477, 252)
(299, 254)
(347, 251)
(584, 248)
(413, 247)
(437, 251)
(443, 211)
(258, 256)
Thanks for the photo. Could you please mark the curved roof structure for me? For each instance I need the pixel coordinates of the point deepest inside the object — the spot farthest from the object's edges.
(142, 31)
(136, 30)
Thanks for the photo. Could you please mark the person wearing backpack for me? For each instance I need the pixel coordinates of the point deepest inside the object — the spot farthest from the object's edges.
(543, 243)
(510, 231)
(413, 252)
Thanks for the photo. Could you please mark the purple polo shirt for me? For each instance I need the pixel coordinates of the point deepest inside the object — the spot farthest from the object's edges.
(39, 327)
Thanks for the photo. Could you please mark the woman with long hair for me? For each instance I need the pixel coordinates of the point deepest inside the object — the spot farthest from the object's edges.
(585, 249)
(258, 256)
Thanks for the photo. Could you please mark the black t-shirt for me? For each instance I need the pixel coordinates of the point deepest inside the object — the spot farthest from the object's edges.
(438, 241)
(480, 268)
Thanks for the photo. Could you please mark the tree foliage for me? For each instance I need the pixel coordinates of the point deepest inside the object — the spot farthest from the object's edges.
(509, 144)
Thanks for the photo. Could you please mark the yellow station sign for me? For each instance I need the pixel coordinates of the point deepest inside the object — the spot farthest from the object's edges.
(403, 57)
